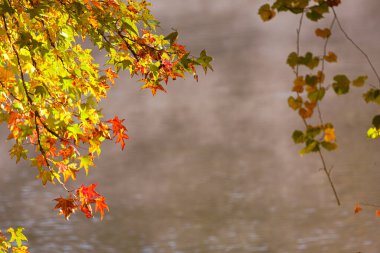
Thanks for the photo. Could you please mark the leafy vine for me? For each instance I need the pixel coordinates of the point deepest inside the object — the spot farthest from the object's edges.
(310, 86)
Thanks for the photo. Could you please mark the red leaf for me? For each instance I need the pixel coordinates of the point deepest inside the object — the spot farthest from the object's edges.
(87, 194)
(119, 131)
(120, 138)
(377, 212)
(87, 210)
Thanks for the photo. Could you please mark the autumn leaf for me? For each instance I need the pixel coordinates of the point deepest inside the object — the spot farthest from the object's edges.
(22, 249)
(17, 235)
(266, 12)
(329, 134)
(87, 194)
(323, 33)
(119, 131)
(100, 206)
(330, 57)
(299, 82)
(359, 81)
(111, 75)
(377, 212)
(65, 206)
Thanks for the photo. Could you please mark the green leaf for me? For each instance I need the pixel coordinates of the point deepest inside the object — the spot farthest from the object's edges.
(329, 145)
(204, 60)
(266, 12)
(376, 121)
(311, 146)
(359, 81)
(17, 235)
(292, 60)
(298, 136)
(317, 95)
(131, 26)
(172, 37)
(312, 132)
(372, 95)
(309, 60)
(311, 80)
(74, 131)
(341, 85)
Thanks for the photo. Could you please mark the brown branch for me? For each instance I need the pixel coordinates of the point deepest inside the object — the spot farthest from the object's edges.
(128, 45)
(328, 174)
(296, 72)
(18, 62)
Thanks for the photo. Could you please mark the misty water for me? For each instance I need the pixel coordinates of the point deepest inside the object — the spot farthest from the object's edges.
(210, 166)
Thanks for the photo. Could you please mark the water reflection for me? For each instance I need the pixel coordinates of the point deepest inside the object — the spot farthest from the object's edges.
(210, 167)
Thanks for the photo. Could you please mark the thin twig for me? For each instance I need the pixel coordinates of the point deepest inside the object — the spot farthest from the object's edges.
(304, 120)
(357, 46)
(329, 177)
(323, 70)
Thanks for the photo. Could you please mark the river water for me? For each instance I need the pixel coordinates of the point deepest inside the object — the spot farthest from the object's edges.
(210, 166)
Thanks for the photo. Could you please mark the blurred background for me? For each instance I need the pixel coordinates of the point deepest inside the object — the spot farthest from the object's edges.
(210, 166)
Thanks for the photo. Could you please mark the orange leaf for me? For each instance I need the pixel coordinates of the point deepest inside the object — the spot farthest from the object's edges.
(329, 135)
(377, 212)
(323, 33)
(331, 57)
(100, 206)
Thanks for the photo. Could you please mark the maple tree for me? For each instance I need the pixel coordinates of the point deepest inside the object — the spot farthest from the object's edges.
(310, 85)
(50, 85)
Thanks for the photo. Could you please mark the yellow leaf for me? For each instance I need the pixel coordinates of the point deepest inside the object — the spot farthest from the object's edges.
(329, 134)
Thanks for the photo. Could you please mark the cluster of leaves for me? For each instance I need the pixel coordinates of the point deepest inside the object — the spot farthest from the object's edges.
(13, 244)
(50, 85)
(309, 85)
(84, 197)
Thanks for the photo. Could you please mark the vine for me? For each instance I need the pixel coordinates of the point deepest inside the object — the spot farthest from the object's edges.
(310, 86)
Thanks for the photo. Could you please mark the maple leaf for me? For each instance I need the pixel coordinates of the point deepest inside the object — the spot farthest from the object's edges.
(87, 210)
(66, 206)
(119, 131)
(377, 212)
(87, 194)
(17, 235)
(100, 205)
(120, 138)
(111, 75)
(117, 124)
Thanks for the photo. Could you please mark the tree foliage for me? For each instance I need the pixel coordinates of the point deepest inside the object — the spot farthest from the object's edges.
(310, 85)
(50, 86)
